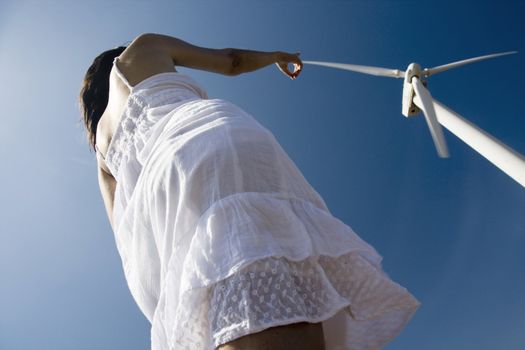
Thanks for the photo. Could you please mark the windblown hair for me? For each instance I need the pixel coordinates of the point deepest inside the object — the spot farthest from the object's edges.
(94, 93)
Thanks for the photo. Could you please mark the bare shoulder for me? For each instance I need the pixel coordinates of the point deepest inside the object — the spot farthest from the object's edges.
(143, 58)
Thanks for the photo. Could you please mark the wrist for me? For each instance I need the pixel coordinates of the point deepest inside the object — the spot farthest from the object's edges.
(277, 56)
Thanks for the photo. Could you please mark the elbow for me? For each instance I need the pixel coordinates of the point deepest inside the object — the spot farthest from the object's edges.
(234, 62)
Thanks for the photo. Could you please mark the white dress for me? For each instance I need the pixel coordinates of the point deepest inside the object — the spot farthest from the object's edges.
(220, 234)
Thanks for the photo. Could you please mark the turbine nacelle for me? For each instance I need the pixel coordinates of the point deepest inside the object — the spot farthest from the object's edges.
(408, 108)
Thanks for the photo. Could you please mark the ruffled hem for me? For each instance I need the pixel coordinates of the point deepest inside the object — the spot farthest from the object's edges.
(248, 226)
(359, 306)
(330, 275)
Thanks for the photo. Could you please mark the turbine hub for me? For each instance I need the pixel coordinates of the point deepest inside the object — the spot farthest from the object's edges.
(413, 69)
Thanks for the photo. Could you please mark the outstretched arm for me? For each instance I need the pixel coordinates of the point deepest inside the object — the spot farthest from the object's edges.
(247, 61)
(165, 51)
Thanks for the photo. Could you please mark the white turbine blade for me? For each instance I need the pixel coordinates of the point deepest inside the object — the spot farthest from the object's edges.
(430, 71)
(430, 115)
(508, 160)
(382, 72)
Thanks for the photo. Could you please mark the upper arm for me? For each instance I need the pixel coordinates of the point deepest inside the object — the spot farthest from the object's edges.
(107, 184)
(159, 48)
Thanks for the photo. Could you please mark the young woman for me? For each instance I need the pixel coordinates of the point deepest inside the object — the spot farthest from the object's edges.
(224, 244)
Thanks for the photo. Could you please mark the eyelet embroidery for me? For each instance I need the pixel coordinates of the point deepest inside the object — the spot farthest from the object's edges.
(135, 123)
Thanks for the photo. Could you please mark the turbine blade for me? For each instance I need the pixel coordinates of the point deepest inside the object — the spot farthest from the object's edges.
(430, 71)
(382, 72)
(427, 107)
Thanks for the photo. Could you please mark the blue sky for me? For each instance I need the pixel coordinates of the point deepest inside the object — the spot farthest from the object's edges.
(451, 231)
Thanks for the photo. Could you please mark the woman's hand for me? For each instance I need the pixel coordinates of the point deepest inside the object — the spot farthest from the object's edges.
(283, 59)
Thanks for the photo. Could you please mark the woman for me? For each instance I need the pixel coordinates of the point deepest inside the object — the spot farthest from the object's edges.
(224, 244)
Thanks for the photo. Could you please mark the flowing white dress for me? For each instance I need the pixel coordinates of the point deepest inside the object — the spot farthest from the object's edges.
(220, 234)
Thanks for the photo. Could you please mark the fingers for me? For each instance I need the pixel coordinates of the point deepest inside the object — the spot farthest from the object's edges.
(284, 68)
(295, 60)
(297, 65)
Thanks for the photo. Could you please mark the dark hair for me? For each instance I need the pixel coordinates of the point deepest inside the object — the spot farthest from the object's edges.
(94, 93)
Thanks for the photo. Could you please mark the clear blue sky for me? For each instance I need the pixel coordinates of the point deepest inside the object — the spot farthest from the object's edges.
(451, 231)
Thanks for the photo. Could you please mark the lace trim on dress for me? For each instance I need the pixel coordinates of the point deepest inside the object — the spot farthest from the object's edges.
(122, 140)
(139, 100)
(276, 291)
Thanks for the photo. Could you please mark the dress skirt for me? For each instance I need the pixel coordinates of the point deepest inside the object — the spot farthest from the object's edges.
(221, 236)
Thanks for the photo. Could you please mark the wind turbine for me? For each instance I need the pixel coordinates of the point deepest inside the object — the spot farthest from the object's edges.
(417, 98)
